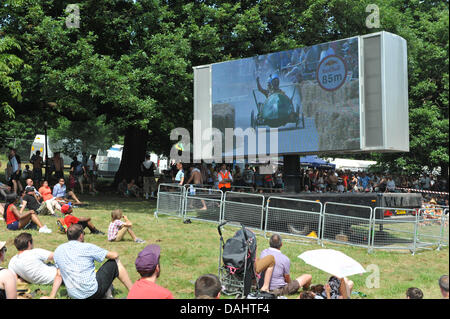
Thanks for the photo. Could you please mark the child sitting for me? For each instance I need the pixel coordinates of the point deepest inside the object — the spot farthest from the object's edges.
(69, 219)
(118, 228)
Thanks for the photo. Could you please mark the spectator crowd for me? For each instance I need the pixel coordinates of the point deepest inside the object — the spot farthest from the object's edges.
(73, 263)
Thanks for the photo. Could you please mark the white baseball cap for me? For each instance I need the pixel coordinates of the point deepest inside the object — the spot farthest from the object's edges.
(2, 244)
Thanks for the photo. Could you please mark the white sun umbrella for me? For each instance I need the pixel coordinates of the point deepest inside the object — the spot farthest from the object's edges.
(333, 262)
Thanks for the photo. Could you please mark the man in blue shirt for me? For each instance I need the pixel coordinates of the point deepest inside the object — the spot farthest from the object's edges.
(363, 181)
(75, 261)
(60, 193)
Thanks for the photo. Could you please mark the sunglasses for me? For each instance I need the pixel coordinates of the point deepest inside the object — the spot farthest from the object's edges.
(4, 250)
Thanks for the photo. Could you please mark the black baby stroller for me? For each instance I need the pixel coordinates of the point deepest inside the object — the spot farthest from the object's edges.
(236, 262)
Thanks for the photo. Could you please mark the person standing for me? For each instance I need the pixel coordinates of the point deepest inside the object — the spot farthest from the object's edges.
(58, 162)
(92, 173)
(179, 178)
(16, 170)
(248, 176)
(78, 170)
(148, 176)
(225, 179)
(37, 162)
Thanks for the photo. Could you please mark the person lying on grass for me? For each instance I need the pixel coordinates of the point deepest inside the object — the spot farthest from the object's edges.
(117, 228)
(69, 219)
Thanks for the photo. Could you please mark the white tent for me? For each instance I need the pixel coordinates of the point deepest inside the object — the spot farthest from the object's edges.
(353, 165)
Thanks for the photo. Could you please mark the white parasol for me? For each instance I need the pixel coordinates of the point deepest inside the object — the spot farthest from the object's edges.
(333, 262)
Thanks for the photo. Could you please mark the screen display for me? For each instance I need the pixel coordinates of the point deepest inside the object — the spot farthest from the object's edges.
(309, 96)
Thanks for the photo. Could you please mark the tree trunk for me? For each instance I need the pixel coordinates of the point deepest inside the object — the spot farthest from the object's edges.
(135, 145)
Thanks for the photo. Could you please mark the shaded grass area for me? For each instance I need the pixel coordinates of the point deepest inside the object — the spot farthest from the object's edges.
(190, 250)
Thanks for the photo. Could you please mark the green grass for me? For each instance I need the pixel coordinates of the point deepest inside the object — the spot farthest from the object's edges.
(190, 250)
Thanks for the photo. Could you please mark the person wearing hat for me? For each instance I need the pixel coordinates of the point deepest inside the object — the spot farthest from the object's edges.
(69, 219)
(147, 265)
(8, 282)
(75, 261)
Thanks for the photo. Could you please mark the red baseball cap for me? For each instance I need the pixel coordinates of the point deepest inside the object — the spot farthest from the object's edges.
(66, 208)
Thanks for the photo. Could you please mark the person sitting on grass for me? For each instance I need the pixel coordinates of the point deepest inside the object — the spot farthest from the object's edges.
(148, 266)
(48, 199)
(8, 282)
(69, 219)
(338, 288)
(443, 284)
(16, 220)
(414, 293)
(133, 189)
(117, 228)
(60, 193)
(207, 287)
(75, 261)
(31, 200)
(122, 187)
(307, 295)
(32, 264)
(281, 282)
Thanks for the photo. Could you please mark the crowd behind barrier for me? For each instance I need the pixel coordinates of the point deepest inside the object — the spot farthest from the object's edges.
(196, 199)
(390, 228)
(314, 180)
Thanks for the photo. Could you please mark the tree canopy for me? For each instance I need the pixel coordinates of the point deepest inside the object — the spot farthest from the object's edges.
(128, 67)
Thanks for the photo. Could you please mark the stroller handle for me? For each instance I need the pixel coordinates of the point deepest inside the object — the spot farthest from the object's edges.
(220, 226)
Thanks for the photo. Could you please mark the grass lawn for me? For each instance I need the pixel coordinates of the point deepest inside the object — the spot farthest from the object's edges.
(190, 250)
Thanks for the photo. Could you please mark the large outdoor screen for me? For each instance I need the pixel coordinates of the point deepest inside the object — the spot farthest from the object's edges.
(338, 97)
(309, 96)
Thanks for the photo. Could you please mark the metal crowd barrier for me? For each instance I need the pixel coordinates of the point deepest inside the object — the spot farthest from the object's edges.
(303, 221)
(344, 229)
(430, 222)
(203, 204)
(249, 212)
(170, 200)
(395, 232)
(443, 240)
(402, 229)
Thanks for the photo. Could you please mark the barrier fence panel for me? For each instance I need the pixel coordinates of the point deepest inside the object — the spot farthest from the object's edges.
(394, 229)
(244, 208)
(170, 200)
(256, 189)
(296, 217)
(203, 204)
(444, 229)
(346, 224)
(429, 230)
